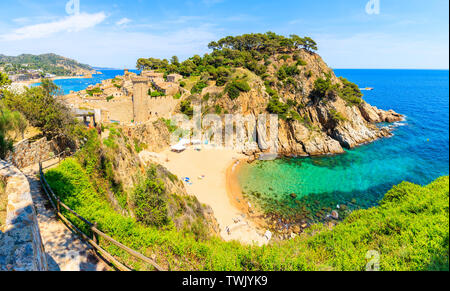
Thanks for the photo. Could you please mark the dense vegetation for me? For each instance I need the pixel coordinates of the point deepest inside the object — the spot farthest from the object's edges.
(409, 229)
(12, 123)
(37, 107)
(48, 63)
(245, 51)
(4, 81)
(43, 110)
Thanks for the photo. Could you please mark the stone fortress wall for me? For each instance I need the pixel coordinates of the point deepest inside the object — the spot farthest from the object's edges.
(125, 99)
(28, 153)
(21, 247)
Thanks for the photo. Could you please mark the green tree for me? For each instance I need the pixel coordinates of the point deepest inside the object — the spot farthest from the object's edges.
(309, 44)
(42, 109)
(20, 124)
(150, 201)
(4, 81)
(175, 61)
(6, 124)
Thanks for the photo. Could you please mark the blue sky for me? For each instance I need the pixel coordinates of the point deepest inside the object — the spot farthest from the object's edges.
(110, 33)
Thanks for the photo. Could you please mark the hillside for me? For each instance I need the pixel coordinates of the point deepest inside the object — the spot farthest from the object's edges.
(409, 231)
(266, 73)
(48, 63)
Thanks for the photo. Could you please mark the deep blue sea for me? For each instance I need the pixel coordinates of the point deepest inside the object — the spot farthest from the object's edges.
(418, 152)
(68, 85)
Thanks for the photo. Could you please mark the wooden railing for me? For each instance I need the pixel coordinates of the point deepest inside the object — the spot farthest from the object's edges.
(57, 205)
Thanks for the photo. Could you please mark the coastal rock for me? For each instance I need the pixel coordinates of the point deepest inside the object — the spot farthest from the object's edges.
(335, 214)
(374, 115)
(323, 127)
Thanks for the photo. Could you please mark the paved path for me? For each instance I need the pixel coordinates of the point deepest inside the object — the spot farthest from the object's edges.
(65, 250)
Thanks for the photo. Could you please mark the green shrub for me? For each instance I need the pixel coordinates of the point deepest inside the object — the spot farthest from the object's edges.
(218, 109)
(93, 91)
(157, 94)
(139, 146)
(350, 92)
(337, 116)
(233, 92)
(242, 85)
(321, 87)
(187, 108)
(301, 63)
(198, 87)
(287, 71)
(10, 121)
(171, 127)
(281, 74)
(235, 88)
(221, 81)
(150, 201)
(275, 106)
(271, 91)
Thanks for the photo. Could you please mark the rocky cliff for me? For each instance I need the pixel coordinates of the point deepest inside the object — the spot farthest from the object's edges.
(319, 113)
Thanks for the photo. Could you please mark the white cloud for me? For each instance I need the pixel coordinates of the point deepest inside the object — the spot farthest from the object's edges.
(212, 2)
(116, 49)
(123, 21)
(72, 23)
(21, 20)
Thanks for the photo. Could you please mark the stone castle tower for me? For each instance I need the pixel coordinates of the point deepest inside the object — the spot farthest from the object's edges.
(140, 99)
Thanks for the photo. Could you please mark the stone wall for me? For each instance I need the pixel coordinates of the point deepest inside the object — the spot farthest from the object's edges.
(21, 247)
(26, 153)
(162, 106)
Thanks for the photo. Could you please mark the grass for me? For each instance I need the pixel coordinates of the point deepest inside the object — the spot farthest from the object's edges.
(410, 230)
(190, 82)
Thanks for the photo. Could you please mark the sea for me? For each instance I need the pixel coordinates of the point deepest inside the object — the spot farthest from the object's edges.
(418, 152)
(67, 85)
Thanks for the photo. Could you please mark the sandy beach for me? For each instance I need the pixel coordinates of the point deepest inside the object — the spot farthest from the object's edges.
(218, 189)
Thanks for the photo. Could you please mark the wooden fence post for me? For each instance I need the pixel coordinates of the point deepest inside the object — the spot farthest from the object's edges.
(58, 207)
(94, 235)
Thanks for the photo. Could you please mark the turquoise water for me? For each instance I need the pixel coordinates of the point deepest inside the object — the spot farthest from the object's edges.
(418, 152)
(68, 85)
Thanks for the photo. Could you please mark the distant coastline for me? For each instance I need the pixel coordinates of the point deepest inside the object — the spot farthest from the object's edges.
(36, 81)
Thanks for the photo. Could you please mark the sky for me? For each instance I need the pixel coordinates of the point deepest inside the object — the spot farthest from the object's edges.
(371, 34)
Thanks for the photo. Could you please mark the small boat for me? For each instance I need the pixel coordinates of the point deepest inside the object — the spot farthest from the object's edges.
(367, 89)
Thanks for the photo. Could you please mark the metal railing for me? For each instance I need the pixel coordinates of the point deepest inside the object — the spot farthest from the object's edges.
(58, 204)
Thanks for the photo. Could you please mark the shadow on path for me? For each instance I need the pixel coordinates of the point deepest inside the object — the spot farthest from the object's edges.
(65, 250)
